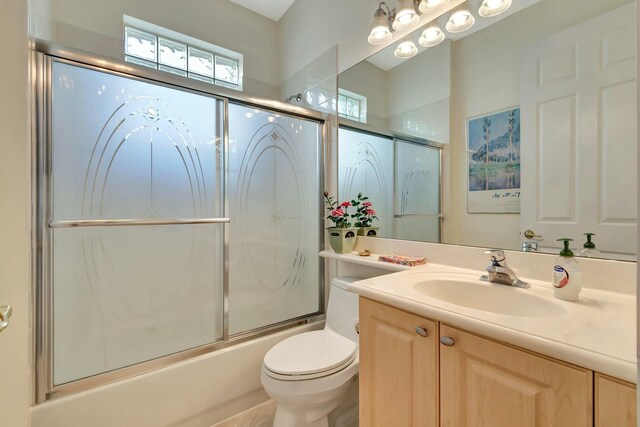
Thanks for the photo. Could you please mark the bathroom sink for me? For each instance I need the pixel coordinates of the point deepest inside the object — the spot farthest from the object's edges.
(489, 297)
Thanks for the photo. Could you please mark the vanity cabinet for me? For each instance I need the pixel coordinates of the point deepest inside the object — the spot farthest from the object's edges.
(615, 402)
(398, 368)
(486, 383)
(465, 380)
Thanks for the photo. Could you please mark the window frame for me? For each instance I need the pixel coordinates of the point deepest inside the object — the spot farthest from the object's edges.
(160, 35)
(361, 100)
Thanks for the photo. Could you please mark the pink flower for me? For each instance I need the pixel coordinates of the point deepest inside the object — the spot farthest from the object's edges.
(345, 204)
(370, 212)
(366, 204)
(337, 213)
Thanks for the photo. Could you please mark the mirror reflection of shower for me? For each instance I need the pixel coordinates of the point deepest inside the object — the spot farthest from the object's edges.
(296, 97)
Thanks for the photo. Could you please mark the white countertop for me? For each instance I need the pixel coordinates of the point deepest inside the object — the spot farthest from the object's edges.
(597, 332)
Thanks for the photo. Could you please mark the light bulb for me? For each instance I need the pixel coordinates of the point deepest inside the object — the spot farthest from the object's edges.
(405, 19)
(380, 32)
(491, 8)
(427, 6)
(432, 33)
(431, 37)
(405, 15)
(406, 49)
(461, 20)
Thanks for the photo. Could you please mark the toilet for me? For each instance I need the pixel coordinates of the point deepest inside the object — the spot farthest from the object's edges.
(311, 374)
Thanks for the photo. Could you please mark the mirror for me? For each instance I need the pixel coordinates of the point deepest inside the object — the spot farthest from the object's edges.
(512, 134)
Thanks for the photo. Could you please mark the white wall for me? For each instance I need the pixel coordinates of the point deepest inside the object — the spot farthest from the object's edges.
(15, 244)
(486, 78)
(368, 80)
(96, 26)
(419, 91)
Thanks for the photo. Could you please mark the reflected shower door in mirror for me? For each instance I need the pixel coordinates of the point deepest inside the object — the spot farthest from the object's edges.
(400, 177)
(567, 70)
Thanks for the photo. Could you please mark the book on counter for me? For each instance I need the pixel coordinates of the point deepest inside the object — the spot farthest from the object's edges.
(410, 261)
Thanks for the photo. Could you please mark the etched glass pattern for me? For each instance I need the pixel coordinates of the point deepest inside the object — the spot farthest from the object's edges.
(127, 149)
(274, 236)
(417, 192)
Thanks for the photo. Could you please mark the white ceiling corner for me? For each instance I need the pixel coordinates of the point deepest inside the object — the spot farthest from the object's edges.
(272, 9)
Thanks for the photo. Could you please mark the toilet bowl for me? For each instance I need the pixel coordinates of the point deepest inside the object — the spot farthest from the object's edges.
(310, 374)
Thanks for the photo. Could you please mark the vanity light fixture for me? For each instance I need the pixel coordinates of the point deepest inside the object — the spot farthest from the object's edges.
(406, 49)
(427, 6)
(406, 14)
(387, 20)
(380, 31)
(432, 36)
(491, 8)
(460, 20)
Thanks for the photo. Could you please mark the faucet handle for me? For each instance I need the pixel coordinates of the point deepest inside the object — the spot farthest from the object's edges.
(496, 255)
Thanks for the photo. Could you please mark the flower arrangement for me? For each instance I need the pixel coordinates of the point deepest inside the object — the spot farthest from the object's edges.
(338, 212)
(365, 214)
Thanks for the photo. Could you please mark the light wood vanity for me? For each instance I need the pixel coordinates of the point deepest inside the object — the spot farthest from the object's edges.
(408, 377)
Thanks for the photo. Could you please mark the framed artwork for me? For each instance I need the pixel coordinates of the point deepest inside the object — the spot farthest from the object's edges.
(493, 162)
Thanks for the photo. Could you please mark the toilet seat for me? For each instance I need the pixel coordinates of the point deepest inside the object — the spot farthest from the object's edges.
(309, 355)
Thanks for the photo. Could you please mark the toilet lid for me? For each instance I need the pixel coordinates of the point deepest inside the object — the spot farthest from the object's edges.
(310, 353)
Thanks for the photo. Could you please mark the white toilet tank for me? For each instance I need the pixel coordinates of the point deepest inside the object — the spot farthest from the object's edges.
(342, 311)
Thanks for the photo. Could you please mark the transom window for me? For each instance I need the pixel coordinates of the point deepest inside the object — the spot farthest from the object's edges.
(352, 106)
(162, 49)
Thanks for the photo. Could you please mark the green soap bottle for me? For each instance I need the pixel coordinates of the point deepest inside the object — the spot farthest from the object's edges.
(567, 275)
(589, 248)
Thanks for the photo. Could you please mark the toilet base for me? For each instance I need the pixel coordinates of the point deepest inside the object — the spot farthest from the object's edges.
(340, 411)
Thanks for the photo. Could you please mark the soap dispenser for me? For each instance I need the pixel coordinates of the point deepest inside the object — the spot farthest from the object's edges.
(589, 248)
(566, 274)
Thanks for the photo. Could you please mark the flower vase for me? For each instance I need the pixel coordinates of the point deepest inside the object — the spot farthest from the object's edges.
(368, 231)
(342, 240)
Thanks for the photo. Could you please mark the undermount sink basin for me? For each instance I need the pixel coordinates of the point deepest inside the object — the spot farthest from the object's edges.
(489, 297)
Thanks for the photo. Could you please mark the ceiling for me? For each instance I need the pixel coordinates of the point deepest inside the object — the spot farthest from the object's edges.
(272, 9)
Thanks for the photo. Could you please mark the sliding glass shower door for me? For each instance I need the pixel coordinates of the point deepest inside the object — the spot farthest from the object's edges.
(274, 177)
(136, 175)
(170, 222)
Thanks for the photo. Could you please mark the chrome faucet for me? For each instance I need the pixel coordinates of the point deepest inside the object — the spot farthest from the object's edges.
(500, 272)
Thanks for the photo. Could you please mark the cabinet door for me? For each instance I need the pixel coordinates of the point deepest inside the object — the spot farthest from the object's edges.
(398, 368)
(615, 403)
(487, 384)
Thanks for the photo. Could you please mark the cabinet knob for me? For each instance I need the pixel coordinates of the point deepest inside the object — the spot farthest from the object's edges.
(448, 341)
(421, 331)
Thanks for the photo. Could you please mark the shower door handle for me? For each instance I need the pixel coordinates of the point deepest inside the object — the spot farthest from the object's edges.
(5, 313)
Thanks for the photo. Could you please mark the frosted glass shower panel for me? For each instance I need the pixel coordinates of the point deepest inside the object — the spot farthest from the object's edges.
(122, 148)
(125, 295)
(417, 192)
(274, 195)
(365, 165)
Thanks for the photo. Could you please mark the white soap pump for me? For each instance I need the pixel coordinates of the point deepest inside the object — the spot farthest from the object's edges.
(567, 275)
